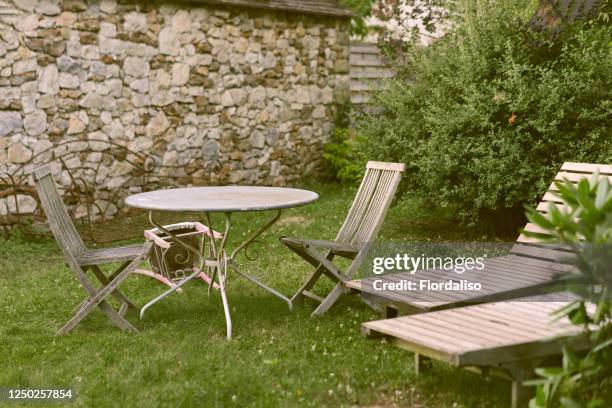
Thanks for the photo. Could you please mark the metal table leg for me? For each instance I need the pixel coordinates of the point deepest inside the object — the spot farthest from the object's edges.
(168, 292)
(244, 247)
(220, 269)
(263, 285)
(219, 266)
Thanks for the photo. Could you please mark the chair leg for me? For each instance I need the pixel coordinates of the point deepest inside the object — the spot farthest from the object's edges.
(329, 300)
(117, 294)
(98, 299)
(80, 305)
(108, 311)
(340, 289)
(208, 280)
(310, 282)
(123, 308)
(327, 268)
(312, 279)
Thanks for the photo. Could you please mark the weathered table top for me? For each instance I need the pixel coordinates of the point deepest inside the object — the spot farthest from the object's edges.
(224, 198)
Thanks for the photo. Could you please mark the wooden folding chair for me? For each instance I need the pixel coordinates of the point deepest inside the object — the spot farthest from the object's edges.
(80, 259)
(360, 228)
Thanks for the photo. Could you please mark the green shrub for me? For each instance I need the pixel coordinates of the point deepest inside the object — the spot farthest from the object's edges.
(485, 116)
(343, 159)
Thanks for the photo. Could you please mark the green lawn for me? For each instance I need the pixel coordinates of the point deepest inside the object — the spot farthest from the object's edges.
(181, 356)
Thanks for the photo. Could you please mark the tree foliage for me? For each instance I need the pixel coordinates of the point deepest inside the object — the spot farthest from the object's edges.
(485, 116)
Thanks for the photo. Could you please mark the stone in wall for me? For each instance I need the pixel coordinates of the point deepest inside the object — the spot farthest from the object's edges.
(240, 95)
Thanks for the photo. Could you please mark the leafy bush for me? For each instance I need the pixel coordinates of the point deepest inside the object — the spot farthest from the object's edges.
(343, 159)
(485, 116)
(361, 9)
(586, 225)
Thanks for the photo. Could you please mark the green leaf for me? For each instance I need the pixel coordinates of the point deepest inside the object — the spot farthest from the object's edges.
(579, 315)
(549, 372)
(602, 193)
(566, 310)
(535, 381)
(539, 400)
(602, 346)
(570, 359)
(603, 308)
(567, 193)
(607, 206)
(556, 216)
(567, 402)
(583, 188)
(538, 219)
(593, 180)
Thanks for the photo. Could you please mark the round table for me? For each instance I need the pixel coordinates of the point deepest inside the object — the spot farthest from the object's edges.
(227, 200)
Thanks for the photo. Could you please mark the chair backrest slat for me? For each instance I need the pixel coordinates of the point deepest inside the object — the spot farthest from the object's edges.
(387, 194)
(61, 225)
(371, 202)
(376, 204)
(380, 204)
(360, 204)
(569, 171)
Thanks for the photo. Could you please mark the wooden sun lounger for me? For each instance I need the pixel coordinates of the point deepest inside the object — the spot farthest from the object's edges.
(504, 277)
(508, 339)
(529, 269)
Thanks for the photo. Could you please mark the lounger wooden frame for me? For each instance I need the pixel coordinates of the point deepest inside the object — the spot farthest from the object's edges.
(507, 339)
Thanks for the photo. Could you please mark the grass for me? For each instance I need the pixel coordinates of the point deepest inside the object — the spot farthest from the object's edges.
(181, 357)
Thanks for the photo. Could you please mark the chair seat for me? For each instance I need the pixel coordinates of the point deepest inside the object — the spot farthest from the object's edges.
(338, 248)
(106, 255)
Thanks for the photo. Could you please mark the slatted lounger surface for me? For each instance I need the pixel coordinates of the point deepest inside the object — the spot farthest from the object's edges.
(505, 338)
(528, 270)
(505, 277)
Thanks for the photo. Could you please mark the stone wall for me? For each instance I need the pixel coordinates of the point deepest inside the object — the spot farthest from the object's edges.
(237, 95)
